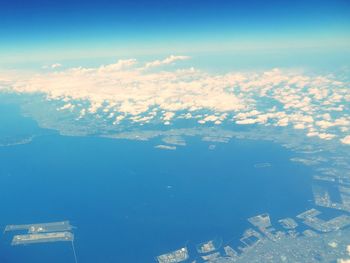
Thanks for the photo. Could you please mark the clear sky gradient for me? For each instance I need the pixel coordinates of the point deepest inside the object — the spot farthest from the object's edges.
(43, 29)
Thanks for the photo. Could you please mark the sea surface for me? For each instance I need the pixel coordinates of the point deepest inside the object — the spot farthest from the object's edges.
(131, 202)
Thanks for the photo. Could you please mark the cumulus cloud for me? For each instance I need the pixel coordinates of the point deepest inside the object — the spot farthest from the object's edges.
(124, 91)
(247, 121)
(169, 60)
(67, 106)
(52, 66)
(165, 147)
(55, 65)
(131, 91)
(216, 119)
(119, 65)
(346, 140)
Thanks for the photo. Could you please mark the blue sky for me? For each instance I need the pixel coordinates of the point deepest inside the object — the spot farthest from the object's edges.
(39, 30)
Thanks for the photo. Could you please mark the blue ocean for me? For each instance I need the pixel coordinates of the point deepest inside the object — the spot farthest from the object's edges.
(131, 202)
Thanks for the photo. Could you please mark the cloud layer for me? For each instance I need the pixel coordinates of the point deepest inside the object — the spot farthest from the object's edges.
(127, 90)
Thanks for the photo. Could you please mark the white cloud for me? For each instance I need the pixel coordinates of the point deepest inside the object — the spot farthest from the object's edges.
(213, 118)
(167, 116)
(56, 65)
(169, 60)
(165, 147)
(67, 106)
(52, 66)
(120, 65)
(299, 126)
(346, 140)
(324, 124)
(244, 115)
(283, 122)
(126, 91)
(247, 121)
(132, 91)
(325, 136)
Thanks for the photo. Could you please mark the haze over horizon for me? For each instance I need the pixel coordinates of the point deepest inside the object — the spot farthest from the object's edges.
(42, 31)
